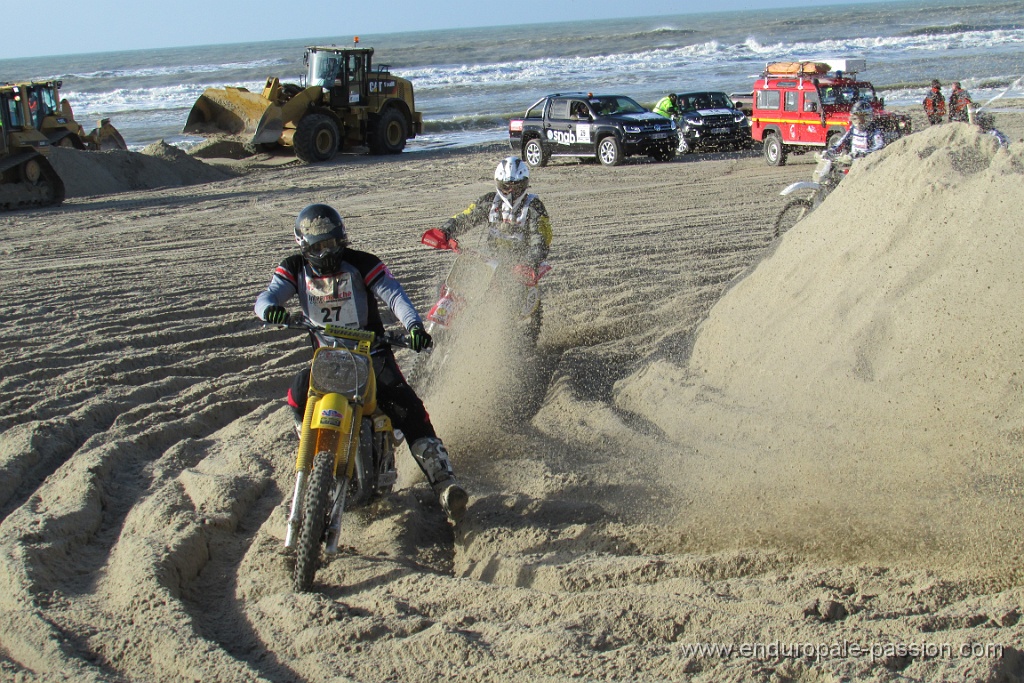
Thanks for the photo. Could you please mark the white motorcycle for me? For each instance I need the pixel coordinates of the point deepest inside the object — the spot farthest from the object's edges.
(826, 178)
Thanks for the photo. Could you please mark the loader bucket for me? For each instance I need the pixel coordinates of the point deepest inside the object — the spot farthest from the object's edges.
(107, 137)
(230, 111)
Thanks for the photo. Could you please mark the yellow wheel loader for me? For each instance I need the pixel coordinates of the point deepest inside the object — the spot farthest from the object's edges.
(343, 103)
(27, 178)
(54, 118)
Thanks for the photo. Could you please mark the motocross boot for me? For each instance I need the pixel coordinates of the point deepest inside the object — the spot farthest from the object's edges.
(430, 454)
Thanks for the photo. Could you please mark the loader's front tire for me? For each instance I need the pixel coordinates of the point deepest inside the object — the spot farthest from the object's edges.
(390, 134)
(316, 138)
(315, 508)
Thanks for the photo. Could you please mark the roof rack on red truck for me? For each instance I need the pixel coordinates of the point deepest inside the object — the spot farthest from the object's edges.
(801, 106)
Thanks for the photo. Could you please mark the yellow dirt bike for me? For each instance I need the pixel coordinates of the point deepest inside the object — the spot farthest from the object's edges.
(346, 455)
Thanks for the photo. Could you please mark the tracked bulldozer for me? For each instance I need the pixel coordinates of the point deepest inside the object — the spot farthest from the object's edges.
(343, 103)
(53, 117)
(27, 179)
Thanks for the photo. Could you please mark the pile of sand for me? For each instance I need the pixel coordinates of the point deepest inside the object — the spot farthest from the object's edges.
(110, 172)
(861, 389)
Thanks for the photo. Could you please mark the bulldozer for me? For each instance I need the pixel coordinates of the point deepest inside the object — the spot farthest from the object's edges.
(27, 179)
(343, 103)
(54, 118)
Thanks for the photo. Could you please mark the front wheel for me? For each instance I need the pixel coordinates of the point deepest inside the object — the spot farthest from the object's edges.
(534, 153)
(609, 151)
(789, 216)
(316, 138)
(774, 151)
(315, 508)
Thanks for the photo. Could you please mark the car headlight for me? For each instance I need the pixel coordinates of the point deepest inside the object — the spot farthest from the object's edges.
(739, 117)
(339, 371)
(674, 126)
(632, 129)
(694, 119)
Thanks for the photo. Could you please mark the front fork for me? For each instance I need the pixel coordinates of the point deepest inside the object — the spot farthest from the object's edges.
(310, 443)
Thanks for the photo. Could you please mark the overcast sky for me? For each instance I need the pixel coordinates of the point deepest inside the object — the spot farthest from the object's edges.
(112, 25)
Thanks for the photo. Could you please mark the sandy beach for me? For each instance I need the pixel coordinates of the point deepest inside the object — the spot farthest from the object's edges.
(732, 458)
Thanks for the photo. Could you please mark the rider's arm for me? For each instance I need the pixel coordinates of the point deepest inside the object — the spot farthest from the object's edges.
(383, 284)
(836, 149)
(877, 141)
(474, 214)
(539, 232)
(283, 286)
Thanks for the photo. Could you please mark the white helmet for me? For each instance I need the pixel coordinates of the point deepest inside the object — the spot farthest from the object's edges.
(511, 177)
(861, 115)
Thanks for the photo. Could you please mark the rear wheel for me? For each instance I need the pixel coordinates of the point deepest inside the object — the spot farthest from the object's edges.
(316, 138)
(609, 151)
(390, 134)
(774, 150)
(534, 153)
(315, 508)
(789, 216)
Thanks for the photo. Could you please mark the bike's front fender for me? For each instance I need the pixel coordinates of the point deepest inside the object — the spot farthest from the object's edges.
(802, 185)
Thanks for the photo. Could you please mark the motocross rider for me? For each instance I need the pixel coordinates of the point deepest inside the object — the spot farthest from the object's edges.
(336, 284)
(519, 229)
(862, 138)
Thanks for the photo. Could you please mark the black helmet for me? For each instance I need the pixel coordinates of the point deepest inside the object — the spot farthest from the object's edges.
(321, 235)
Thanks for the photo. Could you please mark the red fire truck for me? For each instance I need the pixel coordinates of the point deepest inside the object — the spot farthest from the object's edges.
(802, 106)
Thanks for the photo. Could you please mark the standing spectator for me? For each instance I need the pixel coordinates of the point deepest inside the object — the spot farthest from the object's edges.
(935, 104)
(959, 100)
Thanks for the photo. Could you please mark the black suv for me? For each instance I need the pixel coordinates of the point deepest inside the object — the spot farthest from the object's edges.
(711, 120)
(608, 127)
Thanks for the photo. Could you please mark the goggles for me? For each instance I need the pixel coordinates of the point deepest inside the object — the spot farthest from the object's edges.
(324, 247)
(511, 186)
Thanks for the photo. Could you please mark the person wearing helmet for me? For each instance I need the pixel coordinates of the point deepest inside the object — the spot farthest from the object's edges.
(935, 104)
(862, 138)
(668, 106)
(519, 229)
(340, 285)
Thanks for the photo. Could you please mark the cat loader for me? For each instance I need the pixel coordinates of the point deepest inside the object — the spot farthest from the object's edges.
(343, 103)
(54, 118)
(27, 179)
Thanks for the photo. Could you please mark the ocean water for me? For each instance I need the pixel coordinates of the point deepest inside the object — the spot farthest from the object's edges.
(468, 82)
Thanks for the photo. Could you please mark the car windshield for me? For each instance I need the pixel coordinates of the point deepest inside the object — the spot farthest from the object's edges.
(846, 94)
(693, 101)
(610, 105)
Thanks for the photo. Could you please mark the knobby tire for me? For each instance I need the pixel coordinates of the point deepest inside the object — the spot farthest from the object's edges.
(790, 215)
(314, 520)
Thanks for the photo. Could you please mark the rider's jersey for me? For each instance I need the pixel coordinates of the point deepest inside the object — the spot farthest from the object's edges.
(519, 231)
(859, 143)
(346, 297)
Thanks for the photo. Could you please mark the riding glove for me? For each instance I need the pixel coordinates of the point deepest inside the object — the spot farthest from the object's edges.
(276, 315)
(418, 338)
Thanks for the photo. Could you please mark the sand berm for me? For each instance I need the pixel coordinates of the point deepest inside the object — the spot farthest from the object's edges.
(807, 449)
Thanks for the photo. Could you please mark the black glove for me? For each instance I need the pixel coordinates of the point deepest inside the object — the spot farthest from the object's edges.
(276, 315)
(418, 338)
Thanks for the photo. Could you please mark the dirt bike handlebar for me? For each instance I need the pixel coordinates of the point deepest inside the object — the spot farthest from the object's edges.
(389, 338)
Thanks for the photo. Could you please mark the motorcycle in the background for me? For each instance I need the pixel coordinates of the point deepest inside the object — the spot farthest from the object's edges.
(475, 277)
(346, 455)
(826, 178)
